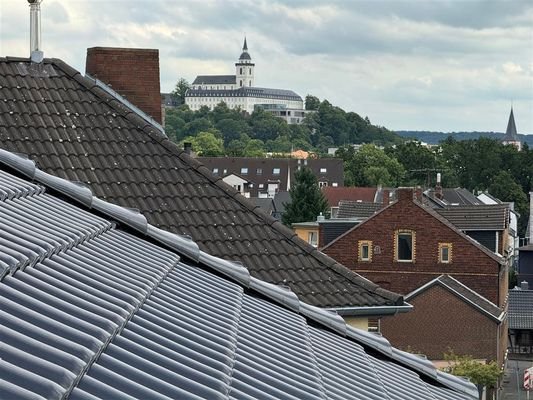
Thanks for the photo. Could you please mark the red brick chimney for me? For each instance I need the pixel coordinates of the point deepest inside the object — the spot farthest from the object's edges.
(133, 73)
(404, 194)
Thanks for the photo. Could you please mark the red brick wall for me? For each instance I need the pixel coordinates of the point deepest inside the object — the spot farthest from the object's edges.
(469, 264)
(133, 73)
(440, 321)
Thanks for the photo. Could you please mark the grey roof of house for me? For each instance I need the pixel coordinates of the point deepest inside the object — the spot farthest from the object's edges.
(357, 209)
(267, 204)
(215, 80)
(510, 134)
(464, 293)
(520, 309)
(453, 196)
(482, 217)
(74, 129)
(99, 304)
(245, 91)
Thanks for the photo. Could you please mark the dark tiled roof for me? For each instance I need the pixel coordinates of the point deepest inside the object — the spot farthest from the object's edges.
(215, 80)
(335, 194)
(463, 292)
(267, 204)
(454, 196)
(245, 91)
(75, 130)
(91, 310)
(357, 209)
(520, 309)
(483, 217)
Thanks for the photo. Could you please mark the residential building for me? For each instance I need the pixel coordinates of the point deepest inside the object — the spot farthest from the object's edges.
(98, 303)
(239, 91)
(334, 195)
(525, 264)
(521, 319)
(91, 134)
(268, 176)
(408, 246)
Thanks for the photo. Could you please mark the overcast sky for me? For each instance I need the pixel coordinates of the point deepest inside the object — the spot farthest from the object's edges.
(413, 64)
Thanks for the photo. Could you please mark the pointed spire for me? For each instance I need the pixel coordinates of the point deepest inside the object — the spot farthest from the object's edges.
(511, 134)
(245, 46)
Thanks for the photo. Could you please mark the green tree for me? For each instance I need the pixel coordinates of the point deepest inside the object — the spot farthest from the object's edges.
(206, 144)
(505, 188)
(480, 374)
(418, 161)
(370, 166)
(307, 201)
(232, 129)
(311, 102)
(179, 91)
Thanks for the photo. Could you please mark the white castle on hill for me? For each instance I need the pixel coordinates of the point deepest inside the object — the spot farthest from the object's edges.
(239, 91)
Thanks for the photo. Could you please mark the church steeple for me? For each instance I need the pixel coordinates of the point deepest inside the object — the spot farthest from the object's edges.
(511, 136)
(244, 68)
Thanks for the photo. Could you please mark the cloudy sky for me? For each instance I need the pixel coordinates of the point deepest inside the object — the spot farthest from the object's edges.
(414, 64)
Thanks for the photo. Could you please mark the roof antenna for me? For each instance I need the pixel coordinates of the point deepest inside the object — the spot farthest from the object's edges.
(36, 54)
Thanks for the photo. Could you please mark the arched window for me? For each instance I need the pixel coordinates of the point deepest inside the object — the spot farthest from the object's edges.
(241, 71)
(240, 83)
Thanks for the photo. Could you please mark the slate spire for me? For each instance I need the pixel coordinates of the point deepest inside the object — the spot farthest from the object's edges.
(510, 134)
(245, 46)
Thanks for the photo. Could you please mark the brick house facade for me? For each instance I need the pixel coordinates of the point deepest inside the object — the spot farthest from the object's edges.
(480, 331)
(406, 245)
(469, 262)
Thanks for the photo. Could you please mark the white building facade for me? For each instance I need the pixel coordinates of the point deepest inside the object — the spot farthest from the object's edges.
(238, 90)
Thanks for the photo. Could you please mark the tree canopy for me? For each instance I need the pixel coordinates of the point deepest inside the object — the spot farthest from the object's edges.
(307, 200)
(327, 126)
(179, 91)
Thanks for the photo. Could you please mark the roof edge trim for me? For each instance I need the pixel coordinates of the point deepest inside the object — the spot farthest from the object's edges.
(75, 191)
(277, 293)
(325, 318)
(230, 269)
(371, 310)
(127, 216)
(182, 244)
(19, 162)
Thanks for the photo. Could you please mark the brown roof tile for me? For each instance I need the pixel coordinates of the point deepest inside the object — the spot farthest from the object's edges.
(77, 131)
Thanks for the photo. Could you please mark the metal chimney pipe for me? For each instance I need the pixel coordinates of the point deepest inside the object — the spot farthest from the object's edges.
(36, 54)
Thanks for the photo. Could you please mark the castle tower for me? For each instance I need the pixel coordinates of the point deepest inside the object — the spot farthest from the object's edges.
(511, 136)
(244, 68)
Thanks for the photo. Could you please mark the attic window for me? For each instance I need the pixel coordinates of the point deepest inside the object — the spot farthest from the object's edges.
(323, 170)
(215, 171)
(404, 245)
(365, 250)
(445, 253)
(276, 171)
(312, 238)
(244, 171)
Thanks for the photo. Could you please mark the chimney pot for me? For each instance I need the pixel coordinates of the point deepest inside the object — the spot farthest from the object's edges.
(187, 147)
(36, 55)
(524, 285)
